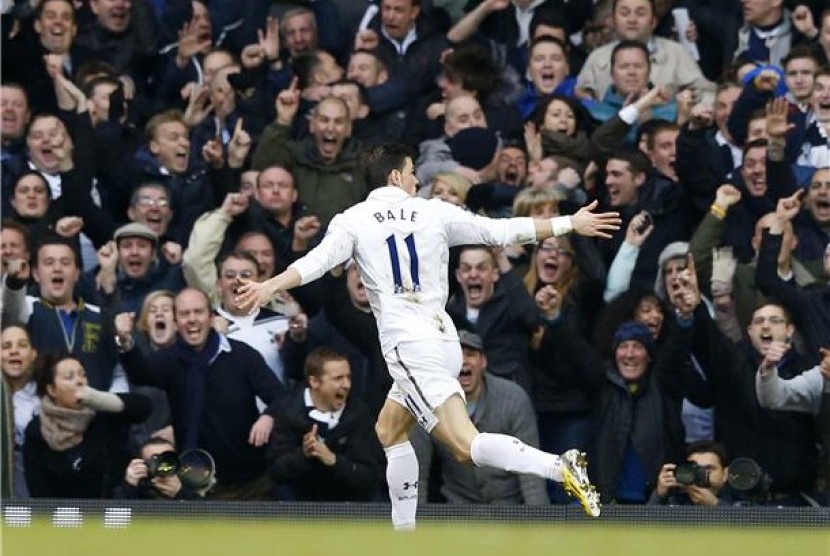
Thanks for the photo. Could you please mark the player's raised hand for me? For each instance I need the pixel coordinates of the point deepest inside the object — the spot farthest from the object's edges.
(595, 224)
(250, 294)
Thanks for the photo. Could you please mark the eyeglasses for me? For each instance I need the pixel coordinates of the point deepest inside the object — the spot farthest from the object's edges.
(233, 275)
(555, 251)
(759, 321)
(149, 202)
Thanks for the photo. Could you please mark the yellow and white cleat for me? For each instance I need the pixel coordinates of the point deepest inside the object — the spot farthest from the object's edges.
(576, 482)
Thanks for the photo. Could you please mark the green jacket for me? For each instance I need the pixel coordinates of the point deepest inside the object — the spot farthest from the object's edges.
(325, 189)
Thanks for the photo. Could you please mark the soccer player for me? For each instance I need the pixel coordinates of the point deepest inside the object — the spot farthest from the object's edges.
(400, 243)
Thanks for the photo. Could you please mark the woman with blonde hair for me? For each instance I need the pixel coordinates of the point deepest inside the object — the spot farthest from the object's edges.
(537, 203)
(156, 322)
(157, 329)
(452, 188)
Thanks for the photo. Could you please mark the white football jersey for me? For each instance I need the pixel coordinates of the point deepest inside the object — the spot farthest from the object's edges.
(401, 246)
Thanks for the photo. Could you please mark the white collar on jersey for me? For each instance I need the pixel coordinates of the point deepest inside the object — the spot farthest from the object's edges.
(389, 193)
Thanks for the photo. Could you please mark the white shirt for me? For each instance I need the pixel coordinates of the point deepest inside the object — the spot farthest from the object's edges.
(401, 246)
(260, 334)
(26, 404)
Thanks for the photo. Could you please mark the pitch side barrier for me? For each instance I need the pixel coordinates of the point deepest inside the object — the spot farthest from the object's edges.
(122, 513)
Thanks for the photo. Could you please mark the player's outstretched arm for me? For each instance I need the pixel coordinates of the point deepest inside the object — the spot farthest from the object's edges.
(585, 222)
(250, 294)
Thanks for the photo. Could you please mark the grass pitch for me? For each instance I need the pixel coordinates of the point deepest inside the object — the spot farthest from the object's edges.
(229, 537)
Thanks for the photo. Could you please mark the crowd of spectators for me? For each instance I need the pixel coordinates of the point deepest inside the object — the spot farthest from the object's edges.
(155, 151)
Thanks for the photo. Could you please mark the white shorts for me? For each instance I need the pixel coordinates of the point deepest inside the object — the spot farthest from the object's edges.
(425, 375)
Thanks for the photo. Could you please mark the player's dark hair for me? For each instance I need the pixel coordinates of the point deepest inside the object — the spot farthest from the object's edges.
(383, 159)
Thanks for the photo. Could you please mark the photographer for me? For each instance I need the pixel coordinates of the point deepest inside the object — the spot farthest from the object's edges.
(144, 478)
(700, 481)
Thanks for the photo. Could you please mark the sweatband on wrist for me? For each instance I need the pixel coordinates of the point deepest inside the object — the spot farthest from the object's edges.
(561, 225)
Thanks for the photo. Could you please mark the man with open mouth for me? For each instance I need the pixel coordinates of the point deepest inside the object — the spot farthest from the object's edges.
(323, 447)
(139, 270)
(813, 224)
(783, 444)
(494, 304)
(325, 165)
(212, 383)
(59, 319)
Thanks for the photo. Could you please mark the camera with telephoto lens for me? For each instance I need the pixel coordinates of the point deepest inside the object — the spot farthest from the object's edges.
(748, 481)
(690, 473)
(195, 468)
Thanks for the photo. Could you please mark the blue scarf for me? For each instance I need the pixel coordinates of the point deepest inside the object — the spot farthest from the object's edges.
(196, 363)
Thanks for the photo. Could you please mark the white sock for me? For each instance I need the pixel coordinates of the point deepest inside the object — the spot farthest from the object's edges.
(511, 454)
(402, 478)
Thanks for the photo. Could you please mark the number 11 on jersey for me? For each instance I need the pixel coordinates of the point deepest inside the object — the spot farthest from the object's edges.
(392, 245)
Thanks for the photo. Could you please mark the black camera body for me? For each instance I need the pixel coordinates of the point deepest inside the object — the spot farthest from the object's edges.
(165, 464)
(690, 473)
